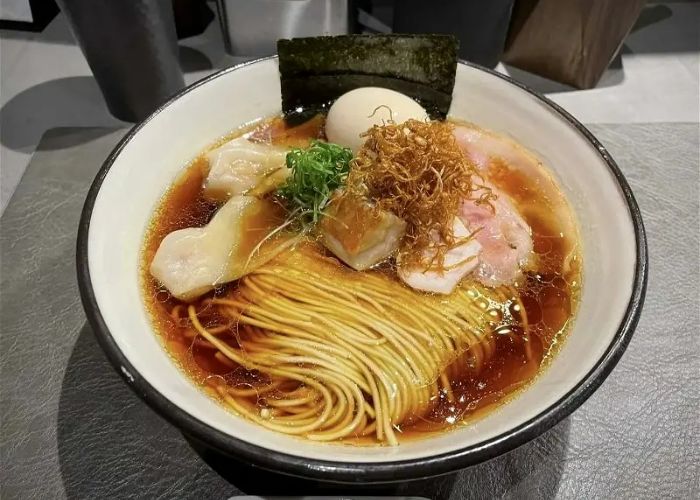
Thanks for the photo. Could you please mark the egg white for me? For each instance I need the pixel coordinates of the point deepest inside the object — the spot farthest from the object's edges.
(356, 111)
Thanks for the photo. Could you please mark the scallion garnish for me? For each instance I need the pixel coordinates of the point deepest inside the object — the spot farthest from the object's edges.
(317, 171)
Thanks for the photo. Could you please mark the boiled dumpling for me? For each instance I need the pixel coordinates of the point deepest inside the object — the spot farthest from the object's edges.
(190, 262)
(241, 166)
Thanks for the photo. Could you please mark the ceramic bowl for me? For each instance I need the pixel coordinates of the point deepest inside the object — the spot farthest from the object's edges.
(143, 165)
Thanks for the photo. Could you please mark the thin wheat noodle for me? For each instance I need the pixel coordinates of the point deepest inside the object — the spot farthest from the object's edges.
(344, 354)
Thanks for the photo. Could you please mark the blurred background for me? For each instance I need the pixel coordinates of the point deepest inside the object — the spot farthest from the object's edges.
(76, 63)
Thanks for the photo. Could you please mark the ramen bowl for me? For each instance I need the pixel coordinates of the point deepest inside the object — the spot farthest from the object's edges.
(147, 160)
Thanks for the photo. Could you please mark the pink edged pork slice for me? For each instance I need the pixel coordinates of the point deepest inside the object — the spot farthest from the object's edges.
(505, 239)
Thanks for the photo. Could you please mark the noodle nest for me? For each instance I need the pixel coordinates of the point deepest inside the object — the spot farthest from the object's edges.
(339, 354)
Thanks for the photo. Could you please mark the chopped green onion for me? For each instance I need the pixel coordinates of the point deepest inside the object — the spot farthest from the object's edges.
(317, 171)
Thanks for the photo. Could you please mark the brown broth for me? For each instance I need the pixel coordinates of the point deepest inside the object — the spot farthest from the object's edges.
(549, 295)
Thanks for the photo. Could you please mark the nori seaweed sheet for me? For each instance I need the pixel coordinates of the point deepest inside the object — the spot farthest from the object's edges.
(315, 71)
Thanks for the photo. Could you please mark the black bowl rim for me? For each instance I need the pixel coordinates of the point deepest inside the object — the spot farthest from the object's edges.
(351, 472)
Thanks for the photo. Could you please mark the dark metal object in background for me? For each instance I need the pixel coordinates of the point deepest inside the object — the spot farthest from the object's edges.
(252, 27)
(132, 50)
(481, 26)
(192, 17)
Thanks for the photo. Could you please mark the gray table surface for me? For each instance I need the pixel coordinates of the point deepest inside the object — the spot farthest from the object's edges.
(71, 428)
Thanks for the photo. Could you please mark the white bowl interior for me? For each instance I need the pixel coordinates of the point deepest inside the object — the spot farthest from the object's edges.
(150, 161)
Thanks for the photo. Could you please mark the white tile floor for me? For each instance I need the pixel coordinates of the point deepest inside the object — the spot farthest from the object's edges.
(45, 82)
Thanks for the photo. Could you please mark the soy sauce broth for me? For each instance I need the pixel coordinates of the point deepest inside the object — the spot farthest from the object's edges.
(549, 296)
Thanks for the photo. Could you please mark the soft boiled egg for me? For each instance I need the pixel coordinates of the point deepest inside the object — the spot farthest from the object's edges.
(357, 111)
